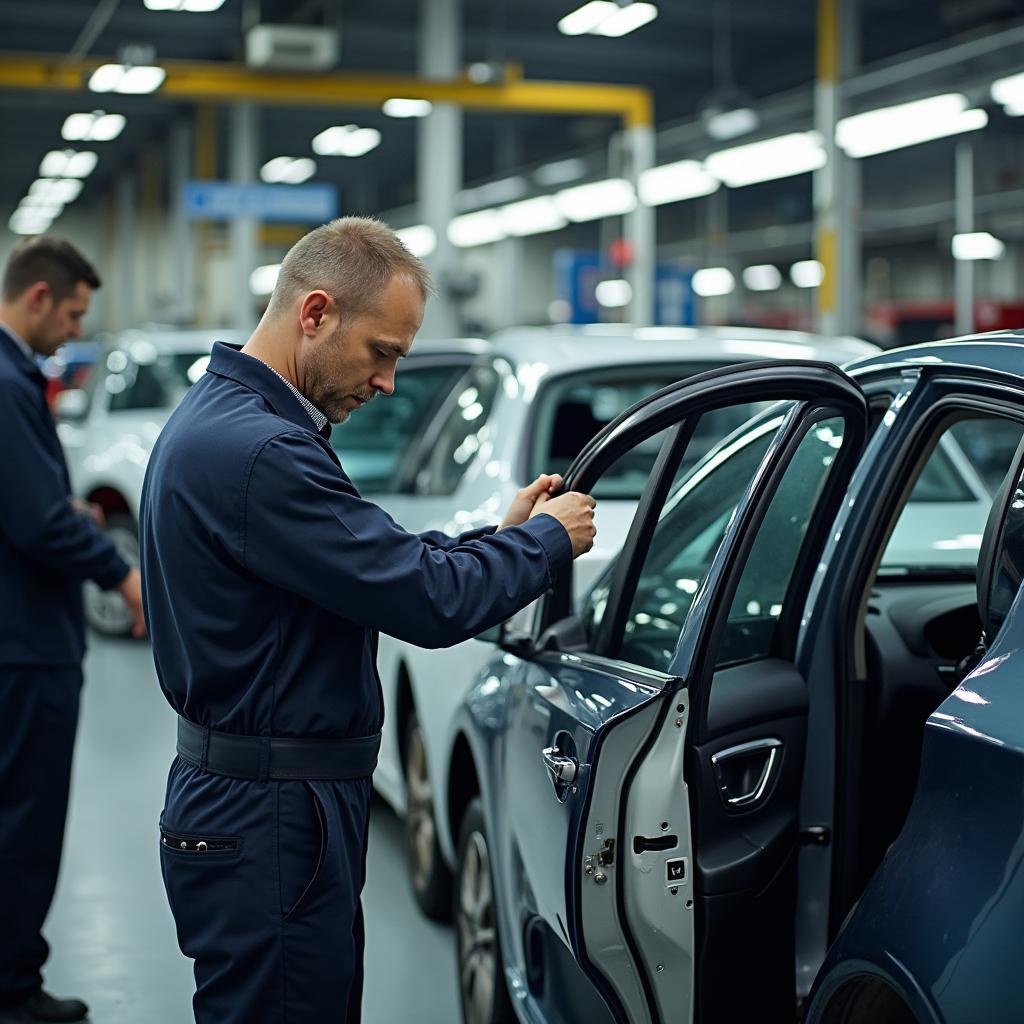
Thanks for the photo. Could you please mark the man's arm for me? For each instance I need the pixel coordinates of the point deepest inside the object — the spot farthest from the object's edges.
(36, 514)
(307, 530)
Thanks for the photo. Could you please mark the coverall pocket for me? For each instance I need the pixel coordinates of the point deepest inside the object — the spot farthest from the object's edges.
(304, 839)
(199, 845)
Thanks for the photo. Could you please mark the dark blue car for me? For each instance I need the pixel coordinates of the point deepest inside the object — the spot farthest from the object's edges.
(772, 761)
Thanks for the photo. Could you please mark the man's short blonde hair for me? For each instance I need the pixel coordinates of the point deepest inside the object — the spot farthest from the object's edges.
(353, 259)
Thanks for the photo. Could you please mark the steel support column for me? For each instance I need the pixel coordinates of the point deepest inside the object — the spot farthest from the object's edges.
(183, 261)
(242, 231)
(963, 270)
(640, 229)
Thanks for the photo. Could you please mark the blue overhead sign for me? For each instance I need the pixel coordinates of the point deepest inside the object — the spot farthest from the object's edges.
(227, 200)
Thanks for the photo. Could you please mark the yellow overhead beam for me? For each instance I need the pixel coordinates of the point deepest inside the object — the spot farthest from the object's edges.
(234, 82)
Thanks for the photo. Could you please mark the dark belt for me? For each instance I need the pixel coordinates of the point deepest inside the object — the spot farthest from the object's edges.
(276, 757)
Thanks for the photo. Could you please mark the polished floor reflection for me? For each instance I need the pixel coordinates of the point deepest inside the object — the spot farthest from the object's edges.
(110, 929)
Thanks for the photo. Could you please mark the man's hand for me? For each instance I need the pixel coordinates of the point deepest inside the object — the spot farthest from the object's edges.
(575, 512)
(90, 509)
(130, 589)
(525, 501)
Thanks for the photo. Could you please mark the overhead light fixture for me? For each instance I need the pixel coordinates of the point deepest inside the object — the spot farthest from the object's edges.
(607, 18)
(38, 206)
(907, 124)
(94, 127)
(67, 163)
(532, 217)
(561, 172)
(190, 6)
(1009, 92)
(807, 273)
(492, 193)
(420, 239)
(479, 228)
(780, 157)
(56, 190)
(132, 79)
(762, 277)
(288, 170)
(27, 222)
(399, 107)
(977, 245)
(613, 294)
(729, 122)
(672, 183)
(608, 198)
(346, 140)
(713, 281)
(263, 279)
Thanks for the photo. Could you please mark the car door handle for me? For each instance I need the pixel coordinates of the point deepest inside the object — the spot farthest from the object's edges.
(562, 769)
(745, 772)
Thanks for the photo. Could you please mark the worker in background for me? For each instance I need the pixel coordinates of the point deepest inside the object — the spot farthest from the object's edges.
(266, 580)
(49, 544)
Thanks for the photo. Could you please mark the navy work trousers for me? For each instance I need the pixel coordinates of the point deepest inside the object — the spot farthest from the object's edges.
(38, 719)
(264, 880)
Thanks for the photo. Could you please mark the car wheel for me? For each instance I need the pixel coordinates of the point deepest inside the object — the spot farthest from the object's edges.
(482, 989)
(105, 611)
(431, 879)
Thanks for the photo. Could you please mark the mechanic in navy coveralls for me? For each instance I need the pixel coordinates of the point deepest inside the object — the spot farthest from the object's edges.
(266, 578)
(49, 544)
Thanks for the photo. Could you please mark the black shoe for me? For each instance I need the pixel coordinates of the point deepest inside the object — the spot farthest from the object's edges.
(43, 1006)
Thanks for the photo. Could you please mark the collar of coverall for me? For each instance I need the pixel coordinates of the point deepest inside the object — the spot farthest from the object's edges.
(229, 361)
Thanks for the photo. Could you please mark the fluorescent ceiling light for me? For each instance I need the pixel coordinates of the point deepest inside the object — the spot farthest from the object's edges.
(191, 6)
(126, 78)
(781, 157)
(672, 183)
(762, 277)
(807, 273)
(67, 163)
(587, 17)
(346, 140)
(399, 107)
(478, 228)
(561, 172)
(491, 193)
(606, 18)
(25, 222)
(94, 127)
(263, 279)
(627, 19)
(56, 190)
(613, 294)
(51, 209)
(1010, 93)
(607, 198)
(977, 245)
(289, 170)
(728, 124)
(532, 216)
(420, 239)
(713, 281)
(907, 124)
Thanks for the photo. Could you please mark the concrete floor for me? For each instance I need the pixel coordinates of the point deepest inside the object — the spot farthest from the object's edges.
(110, 930)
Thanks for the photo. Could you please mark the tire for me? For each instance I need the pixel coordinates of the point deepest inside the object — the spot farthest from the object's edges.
(105, 611)
(428, 872)
(483, 994)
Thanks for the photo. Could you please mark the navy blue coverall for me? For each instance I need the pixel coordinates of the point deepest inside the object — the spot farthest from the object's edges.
(46, 550)
(266, 578)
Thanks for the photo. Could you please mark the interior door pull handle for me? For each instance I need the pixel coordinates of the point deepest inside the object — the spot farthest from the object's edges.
(563, 769)
(746, 771)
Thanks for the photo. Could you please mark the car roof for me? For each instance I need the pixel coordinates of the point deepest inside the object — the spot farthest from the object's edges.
(566, 347)
(996, 350)
(172, 341)
(449, 346)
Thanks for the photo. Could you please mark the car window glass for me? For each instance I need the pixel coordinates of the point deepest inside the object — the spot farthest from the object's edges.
(760, 594)
(940, 527)
(150, 379)
(372, 444)
(690, 528)
(570, 410)
(1009, 561)
(462, 434)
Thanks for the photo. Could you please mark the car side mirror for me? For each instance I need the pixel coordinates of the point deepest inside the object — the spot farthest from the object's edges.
(71, 405)
(566, 634)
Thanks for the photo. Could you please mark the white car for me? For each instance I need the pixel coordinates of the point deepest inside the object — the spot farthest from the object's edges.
(524, 407)
(108, 430)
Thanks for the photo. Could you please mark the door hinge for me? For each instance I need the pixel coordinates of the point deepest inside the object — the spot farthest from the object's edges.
(594, 864)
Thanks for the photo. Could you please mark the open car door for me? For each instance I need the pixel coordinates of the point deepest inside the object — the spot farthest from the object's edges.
(655, 854)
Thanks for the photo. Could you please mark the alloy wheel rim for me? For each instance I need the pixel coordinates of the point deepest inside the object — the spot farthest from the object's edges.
(419, 818)
(476, 932)
(106, 609)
